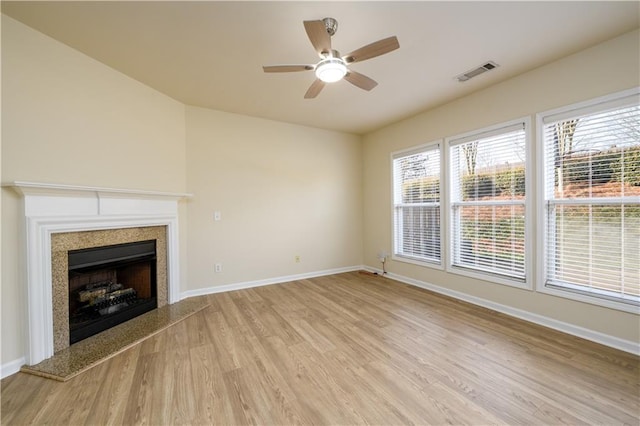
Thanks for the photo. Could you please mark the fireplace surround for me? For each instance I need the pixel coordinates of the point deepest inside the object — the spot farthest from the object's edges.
(58, 212)
(64, 242)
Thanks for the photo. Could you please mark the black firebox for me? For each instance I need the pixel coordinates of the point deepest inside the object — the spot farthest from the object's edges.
(109, 285)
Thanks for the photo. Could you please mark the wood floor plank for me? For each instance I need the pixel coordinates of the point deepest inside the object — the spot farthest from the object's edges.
(256, 358)
(341, 349)
(178, 404)
(380, 394)
(209, 396)
(221, 334)
(147, 390)
(18, 391)
(551, 414)
(109, 407)
(232, 314)
(327, 387)
(197, 332)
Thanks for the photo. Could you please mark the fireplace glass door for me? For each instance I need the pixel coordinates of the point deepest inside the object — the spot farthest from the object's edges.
(109, 285)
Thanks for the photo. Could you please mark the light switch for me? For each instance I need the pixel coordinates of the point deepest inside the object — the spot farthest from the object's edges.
(217, 215)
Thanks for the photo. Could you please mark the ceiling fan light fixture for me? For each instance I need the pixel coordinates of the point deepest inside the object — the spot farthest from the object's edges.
(331, 70)
(333, 66)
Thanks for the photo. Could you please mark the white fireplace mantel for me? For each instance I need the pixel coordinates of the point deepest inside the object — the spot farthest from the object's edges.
(51, 208)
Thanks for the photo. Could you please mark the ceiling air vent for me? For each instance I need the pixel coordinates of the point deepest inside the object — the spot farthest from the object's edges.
(477, 71)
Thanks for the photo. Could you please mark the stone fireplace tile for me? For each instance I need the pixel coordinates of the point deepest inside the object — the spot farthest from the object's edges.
(87, 353)
(61, 243)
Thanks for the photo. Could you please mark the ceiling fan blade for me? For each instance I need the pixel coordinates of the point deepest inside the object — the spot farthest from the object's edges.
(320, 38)
(372, 50)
(360, 80)
(314, 89)
(287, 68)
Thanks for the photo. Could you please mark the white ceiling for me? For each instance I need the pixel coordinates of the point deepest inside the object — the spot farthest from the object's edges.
(210, 54)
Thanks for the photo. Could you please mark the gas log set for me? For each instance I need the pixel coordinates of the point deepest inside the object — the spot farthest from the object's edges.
(105, 297)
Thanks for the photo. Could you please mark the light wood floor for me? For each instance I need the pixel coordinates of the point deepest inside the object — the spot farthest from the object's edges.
(343, 349)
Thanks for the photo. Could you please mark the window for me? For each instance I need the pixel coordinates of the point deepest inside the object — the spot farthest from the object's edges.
(488, 203)
(591, 206)
(416, 204)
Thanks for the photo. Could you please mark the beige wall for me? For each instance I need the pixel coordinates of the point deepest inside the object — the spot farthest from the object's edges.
(603, 69)
(283, 190)
(69, 119)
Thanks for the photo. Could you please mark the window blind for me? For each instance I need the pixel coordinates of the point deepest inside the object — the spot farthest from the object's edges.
(592, 201)
(488, 202)
(416, 194)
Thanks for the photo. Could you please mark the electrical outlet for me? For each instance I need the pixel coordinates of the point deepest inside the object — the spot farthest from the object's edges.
(218, 267)
(297, 258)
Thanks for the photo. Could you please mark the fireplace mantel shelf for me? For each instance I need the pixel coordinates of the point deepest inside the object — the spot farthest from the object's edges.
(27, 188)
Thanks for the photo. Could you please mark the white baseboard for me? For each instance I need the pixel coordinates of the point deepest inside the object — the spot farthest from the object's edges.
(585, 333)
(268, 281)
(12, 367)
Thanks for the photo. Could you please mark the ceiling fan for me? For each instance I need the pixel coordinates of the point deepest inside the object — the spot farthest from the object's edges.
(333, 67)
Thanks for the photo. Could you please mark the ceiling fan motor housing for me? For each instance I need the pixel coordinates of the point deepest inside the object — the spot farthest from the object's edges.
(331, 25)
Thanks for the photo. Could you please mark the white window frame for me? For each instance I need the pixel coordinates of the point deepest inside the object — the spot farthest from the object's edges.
(593, 106)
(409, 259)
(525, 283)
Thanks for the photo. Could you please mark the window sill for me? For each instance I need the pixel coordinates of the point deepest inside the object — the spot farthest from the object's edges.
(585, 298)
(492, 278)
(416, 261)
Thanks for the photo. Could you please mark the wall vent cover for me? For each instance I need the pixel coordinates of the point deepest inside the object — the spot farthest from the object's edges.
(477, 71)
